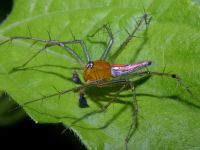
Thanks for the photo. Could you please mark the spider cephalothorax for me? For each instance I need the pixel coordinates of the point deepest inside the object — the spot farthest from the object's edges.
(97, 70)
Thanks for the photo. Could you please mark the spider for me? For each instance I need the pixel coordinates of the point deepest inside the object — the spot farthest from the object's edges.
(100, 72)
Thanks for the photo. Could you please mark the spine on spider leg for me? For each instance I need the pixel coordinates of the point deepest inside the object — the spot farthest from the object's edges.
(120, 69)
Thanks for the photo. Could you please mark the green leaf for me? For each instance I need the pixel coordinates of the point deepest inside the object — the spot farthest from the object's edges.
(168, 118)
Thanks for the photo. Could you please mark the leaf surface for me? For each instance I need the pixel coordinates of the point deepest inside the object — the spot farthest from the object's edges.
(169, 118)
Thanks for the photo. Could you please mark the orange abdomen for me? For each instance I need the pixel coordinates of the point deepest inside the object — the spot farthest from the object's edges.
(101, 70)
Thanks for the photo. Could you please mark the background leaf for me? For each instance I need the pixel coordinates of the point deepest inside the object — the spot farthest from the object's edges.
(168, 116)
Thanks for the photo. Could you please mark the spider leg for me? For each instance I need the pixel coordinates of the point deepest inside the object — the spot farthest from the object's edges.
(110, 43)
(142, 19)
(170, 75)
(134, 96)
(58, 93)
(134, 123)
(48, 43)
(75, 89)
(83, 45)
(73, 53)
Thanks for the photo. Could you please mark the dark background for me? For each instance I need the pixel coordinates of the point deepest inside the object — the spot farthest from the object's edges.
(24, 131)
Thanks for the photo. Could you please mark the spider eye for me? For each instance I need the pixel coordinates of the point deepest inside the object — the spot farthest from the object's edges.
(90, 64)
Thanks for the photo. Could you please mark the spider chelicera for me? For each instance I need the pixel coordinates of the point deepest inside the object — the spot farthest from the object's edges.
(100, 72)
